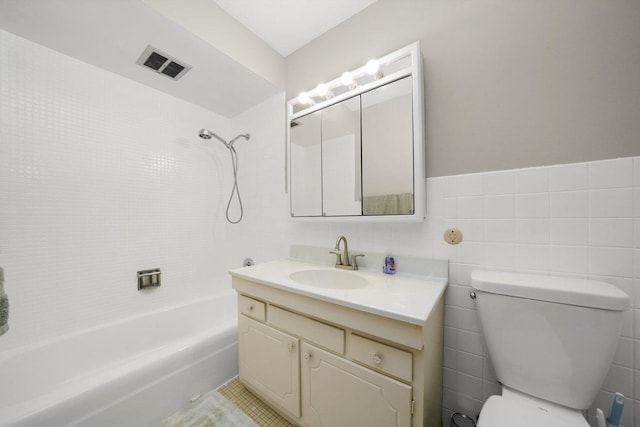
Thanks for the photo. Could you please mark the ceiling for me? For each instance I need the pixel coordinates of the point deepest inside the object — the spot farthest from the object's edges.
(111, 34)
(287, 25)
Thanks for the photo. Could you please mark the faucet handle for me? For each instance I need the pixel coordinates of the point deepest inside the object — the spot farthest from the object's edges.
(339, 255)
(354, 260)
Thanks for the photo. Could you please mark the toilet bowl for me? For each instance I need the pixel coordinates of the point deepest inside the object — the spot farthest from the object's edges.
(551, 341)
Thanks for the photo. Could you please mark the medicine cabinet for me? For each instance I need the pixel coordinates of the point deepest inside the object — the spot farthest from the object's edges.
(356, 144)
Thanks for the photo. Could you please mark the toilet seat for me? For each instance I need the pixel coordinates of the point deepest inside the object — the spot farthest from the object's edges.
(499, 411)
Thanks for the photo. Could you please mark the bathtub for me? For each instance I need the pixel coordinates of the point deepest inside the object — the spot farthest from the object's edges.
(133, 372)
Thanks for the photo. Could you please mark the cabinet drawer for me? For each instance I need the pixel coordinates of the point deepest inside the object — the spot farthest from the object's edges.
(382, 357)
(308, 329)
(251, 307)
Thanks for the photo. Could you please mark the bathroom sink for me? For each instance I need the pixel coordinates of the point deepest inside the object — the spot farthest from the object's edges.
(329, 279)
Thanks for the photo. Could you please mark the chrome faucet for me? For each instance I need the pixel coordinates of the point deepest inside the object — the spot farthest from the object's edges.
(343, 260)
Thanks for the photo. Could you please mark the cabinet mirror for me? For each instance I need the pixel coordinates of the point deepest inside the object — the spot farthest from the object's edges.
(360, 155)
(387, 150)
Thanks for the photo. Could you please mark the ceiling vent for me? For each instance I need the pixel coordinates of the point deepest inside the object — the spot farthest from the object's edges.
(162, 63)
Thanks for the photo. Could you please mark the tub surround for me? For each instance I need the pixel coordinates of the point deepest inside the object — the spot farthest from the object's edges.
(121, 166)
(298, 343)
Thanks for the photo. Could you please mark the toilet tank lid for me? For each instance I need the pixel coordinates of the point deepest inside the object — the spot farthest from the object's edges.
(562, 290)
(501, 412)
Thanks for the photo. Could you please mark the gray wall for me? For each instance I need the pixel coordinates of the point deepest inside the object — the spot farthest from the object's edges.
(509, 84)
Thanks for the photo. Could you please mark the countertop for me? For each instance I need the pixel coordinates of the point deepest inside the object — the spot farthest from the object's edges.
(405, 297)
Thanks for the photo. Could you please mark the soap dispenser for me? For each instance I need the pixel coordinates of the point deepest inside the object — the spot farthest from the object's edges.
(389, 265)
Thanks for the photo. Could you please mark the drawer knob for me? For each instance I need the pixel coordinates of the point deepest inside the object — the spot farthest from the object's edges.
(250, 308)
(377, 358)
(290, 346)
(307, 356)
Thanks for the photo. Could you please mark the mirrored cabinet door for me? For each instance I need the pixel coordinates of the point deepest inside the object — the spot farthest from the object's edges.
(306, 165)
(356, 157)
(387, 150)
(356, 152)
(341, 171)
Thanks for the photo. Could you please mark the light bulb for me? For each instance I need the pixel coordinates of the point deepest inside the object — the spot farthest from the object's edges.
(322, 89)
(372, 66)
(347, 79)
(304, 98)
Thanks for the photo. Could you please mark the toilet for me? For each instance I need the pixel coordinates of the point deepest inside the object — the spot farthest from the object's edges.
(551, 341)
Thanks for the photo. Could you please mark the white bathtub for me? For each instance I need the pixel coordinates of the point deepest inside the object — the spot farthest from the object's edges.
(133, 372)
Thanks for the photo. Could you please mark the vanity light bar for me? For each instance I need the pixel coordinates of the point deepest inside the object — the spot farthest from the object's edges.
(354, 82)
(347, 79)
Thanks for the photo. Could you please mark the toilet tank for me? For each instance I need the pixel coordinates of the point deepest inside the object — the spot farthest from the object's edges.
(550, 337)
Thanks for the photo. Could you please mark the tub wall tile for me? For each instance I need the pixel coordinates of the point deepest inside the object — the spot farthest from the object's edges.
(98, 176)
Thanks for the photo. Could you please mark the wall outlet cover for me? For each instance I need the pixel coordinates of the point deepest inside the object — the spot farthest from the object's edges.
(452, 236)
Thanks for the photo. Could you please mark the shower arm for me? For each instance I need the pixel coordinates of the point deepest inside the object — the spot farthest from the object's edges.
(226, 144)
(242, 135)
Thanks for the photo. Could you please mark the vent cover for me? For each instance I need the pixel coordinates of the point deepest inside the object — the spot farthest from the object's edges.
(162, 63)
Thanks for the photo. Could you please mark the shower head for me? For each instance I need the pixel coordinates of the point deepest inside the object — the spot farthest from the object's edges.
(205, 134)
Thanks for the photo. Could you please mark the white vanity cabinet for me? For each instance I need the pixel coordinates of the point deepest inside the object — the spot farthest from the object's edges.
(324, 364)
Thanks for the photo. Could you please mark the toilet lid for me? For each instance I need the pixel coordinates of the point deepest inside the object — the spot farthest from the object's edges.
(500, 412)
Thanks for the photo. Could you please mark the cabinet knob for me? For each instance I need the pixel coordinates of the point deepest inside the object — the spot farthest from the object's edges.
(307, 356)
(377, 358)
(290, 346)
(250, 308)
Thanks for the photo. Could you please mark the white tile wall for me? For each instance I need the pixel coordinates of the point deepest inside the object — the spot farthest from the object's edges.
(577, 220)
(568, 177)
(101, 177)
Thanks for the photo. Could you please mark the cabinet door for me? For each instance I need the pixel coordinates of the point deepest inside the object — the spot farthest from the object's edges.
(269, 362)
(337, 392)
(387, 149)
(341, 159)
(306, 166)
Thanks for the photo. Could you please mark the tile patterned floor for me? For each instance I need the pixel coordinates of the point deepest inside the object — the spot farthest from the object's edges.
(256, 409)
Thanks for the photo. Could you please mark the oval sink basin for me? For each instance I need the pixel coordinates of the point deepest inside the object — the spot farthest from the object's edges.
(329, 279)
